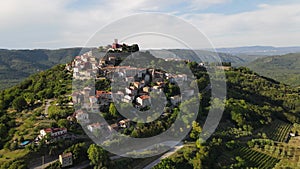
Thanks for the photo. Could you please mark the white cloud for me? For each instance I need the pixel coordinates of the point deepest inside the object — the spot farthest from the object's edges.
(272, 25)
(263, 5)
(53, 23)
(26, 23)
(202, 4)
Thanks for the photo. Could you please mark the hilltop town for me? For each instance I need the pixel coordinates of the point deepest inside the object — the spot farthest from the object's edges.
(139, 85)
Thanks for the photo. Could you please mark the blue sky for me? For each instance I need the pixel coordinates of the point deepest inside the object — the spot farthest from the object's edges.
(227, 23)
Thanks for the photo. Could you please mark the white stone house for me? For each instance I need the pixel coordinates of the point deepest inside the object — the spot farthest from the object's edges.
(81, 116)
(144, 100)
(53, 132)
(175, 100)
(66, 159)
(95, 126)
(125, 123)
(127, 99)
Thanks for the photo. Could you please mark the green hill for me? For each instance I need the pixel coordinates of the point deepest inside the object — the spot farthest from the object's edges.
(256, 108)
(16, 65)
(285, 68)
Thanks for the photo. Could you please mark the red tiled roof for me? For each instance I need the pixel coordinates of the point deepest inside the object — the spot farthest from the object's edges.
(101, 92)
(143, 97)
(64, 155)
(95, 124)
(51, 130)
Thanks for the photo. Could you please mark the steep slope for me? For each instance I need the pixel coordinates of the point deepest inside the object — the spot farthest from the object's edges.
(285, 68)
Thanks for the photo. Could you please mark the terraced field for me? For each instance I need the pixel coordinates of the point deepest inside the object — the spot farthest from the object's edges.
(277, 131)
(256, 159)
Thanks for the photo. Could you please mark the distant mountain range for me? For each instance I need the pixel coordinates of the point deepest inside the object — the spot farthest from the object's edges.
(198, 55)
(259, 50)
(15, 65)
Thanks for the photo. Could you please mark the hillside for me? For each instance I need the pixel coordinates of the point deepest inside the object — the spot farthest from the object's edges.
(258, 111)
(254, 131)
(16, 65)
(206, 56)
(199, 56)
(283, 68)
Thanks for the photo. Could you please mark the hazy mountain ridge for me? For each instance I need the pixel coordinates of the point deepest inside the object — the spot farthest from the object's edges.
(260, 50)
(197, 55)
(15, 65)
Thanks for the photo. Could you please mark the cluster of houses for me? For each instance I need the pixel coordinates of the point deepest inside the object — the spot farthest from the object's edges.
(82, 117)
(139, 83)
(52, 134)
(84, 66)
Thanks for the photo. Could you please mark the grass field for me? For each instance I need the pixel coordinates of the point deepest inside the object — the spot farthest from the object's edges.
(8, 155)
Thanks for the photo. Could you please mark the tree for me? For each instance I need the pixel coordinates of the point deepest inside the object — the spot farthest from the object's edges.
(29, 97)
(63, 123)
(113, 110)
(3, 130)
(78, 150)
(165, 164)
(19, 103)
(98, 157)
(13, 146)
(196, 130)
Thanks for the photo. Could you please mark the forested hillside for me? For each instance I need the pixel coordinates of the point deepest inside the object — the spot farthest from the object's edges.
(254, 131)
(16, 65)
(197, 56)
(259, 115)
(285, 68)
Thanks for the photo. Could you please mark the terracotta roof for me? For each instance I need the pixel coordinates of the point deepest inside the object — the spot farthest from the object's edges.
(143, 97)
(79, 112)
(95, 125)
(51, 130)
(101, 93)
(64, 155)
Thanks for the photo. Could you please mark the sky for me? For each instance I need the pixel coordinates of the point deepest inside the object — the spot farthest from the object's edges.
(52, 24)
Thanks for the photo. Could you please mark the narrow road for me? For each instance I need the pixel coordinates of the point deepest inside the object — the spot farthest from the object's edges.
(42, 162)
(166, 155)
(82, 165)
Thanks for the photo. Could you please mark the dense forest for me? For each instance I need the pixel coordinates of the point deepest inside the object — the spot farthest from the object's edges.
(283, 68)
(16, 65)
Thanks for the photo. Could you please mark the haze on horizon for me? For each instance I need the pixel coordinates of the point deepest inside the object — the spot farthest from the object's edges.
(70, 23)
